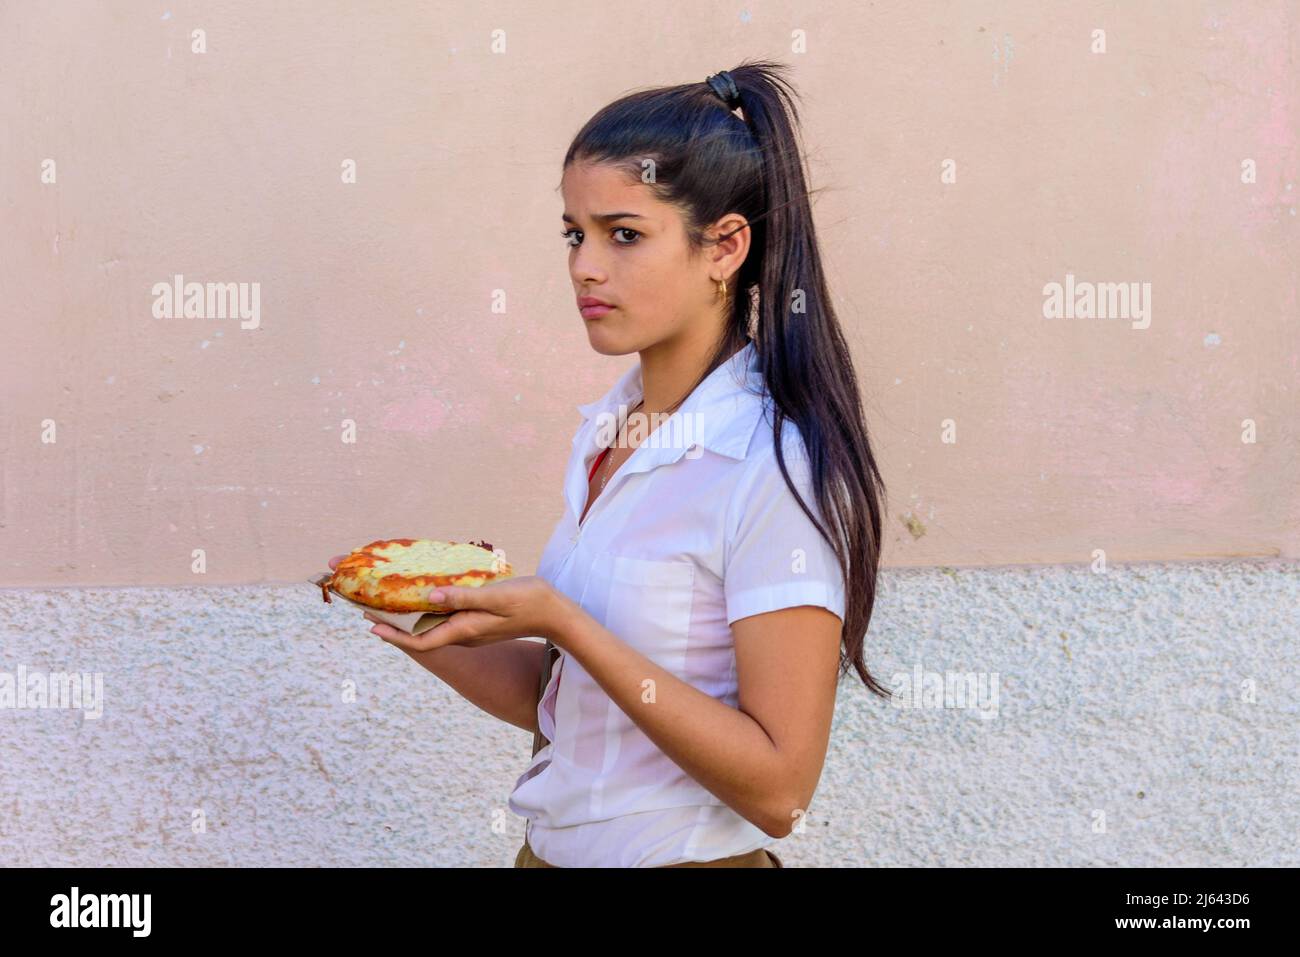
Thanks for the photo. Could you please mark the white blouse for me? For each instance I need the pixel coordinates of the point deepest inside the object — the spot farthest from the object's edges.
(695, 530)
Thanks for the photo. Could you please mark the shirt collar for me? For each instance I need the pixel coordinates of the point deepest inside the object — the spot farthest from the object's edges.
(729, 403)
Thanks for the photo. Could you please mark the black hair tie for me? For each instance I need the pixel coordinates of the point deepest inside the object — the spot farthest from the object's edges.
(723, 85)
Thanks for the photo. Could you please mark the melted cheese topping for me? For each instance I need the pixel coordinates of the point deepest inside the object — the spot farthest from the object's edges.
(427, 557)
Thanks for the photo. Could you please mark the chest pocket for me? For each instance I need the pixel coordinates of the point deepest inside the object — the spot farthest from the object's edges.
(648, 605)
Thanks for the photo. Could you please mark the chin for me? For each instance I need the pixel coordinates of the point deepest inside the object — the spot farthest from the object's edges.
(608, 345)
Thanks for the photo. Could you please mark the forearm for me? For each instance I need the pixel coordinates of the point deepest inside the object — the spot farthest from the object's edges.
(721, 747)
(500, 678)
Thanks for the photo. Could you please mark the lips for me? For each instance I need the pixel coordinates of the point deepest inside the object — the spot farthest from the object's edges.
(593, 308)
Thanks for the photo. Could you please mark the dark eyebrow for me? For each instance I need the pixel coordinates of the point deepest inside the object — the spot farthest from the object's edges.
(604, 217)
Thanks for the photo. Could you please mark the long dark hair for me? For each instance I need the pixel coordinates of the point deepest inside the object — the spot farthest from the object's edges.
(708, 162)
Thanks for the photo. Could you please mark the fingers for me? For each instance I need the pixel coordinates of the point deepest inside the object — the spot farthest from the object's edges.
(388, 632)
(395, 636)
(435, 637)
(467, 628)
(483, 598)
(334, 562)
(402, 639)
(391, 634)
(446, 596)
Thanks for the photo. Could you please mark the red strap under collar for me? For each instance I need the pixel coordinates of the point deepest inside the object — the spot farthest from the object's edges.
(596, 464)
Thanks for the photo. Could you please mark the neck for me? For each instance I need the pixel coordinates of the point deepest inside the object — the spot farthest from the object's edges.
(671, 367)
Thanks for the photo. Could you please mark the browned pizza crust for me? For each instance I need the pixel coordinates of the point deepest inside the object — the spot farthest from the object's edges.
(397, 574)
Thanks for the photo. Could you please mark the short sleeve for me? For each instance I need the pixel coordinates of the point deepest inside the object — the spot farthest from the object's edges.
(774, 556)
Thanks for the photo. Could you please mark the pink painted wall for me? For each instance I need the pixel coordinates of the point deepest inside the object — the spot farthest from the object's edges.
(377, 297)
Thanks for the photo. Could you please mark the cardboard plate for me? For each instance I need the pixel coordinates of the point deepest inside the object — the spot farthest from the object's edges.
(413, 622)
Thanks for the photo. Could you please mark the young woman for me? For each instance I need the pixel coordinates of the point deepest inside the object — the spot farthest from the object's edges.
(714, 571)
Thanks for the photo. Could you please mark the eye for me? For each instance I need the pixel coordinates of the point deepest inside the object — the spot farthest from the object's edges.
(571, 234)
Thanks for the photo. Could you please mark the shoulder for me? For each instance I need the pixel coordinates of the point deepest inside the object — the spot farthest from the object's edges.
(761, 465)
(761, 495)
(774, 555)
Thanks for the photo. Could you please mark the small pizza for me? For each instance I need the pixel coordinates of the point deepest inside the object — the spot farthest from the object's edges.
(397, 574)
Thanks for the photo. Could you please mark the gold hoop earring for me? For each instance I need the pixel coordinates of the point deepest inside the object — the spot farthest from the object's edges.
(722, 289)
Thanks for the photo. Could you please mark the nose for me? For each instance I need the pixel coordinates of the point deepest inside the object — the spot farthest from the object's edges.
(585, 268)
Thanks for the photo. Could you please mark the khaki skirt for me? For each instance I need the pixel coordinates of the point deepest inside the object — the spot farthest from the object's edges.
(758, 858)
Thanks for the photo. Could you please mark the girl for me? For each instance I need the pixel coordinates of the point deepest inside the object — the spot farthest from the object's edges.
(717, 557)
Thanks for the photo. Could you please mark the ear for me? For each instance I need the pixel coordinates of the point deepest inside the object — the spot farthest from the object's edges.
(730, 237)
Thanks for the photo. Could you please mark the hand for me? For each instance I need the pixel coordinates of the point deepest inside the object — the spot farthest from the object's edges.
(522, 607)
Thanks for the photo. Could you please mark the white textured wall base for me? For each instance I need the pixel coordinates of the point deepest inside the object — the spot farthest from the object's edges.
(1124, 731)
